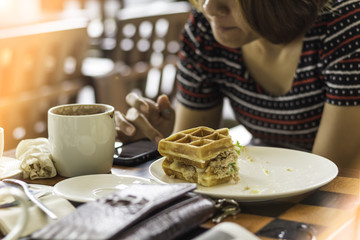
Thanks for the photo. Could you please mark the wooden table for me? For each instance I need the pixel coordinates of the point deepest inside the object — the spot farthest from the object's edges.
(331, 212)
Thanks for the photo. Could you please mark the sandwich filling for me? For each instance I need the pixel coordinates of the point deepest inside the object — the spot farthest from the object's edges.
(220, 169)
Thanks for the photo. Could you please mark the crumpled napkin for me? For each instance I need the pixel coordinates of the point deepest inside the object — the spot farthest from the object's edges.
(35, 157)
(37, 218)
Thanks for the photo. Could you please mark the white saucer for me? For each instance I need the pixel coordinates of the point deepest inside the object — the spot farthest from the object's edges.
(90, 187)
(9, 167)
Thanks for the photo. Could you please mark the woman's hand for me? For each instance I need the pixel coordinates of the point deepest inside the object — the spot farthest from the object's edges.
(145, 119)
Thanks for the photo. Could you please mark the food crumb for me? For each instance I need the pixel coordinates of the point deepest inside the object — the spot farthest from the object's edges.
(289, 170)
(250, 159)
(266, 171)
(255, 191)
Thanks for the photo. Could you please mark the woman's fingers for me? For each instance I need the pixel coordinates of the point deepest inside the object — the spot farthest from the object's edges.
(122, 125)
(138, 102)
(141, 122)
(144, 105)
(150, 119)
(165, 107)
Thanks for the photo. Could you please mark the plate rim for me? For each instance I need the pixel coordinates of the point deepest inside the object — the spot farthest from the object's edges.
(86, 199)
(268, 196)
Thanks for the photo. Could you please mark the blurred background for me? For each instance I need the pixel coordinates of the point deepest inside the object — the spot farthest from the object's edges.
(82, 51)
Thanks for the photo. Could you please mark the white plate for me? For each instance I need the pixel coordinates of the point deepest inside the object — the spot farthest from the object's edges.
(267, 173)
(90, 187)
(9, 167)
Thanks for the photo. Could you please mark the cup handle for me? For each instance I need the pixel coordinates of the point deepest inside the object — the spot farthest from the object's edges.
(24, 216)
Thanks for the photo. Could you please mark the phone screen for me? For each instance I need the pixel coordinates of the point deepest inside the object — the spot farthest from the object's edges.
(135, 153)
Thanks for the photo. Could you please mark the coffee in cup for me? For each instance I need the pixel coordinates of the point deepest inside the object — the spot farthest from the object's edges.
(81, 138)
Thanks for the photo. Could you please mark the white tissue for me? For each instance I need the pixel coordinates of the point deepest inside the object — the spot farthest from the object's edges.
(35, 157)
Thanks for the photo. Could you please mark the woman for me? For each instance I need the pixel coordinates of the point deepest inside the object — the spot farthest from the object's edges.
(289, 68)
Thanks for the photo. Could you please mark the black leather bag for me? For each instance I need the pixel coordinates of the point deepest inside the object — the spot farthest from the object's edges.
(138, 212)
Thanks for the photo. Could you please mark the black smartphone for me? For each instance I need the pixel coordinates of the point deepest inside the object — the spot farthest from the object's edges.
(135, 153)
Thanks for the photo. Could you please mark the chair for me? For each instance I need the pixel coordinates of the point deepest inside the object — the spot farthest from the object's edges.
(145, 54)
(40, 67)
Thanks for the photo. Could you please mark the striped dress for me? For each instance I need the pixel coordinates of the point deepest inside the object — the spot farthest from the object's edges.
(328, 71)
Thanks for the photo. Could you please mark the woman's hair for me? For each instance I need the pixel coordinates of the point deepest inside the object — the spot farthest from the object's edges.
(279, 21)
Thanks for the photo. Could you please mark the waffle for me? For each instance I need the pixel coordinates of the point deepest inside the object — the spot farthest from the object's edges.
(197, 145)
(201, 155)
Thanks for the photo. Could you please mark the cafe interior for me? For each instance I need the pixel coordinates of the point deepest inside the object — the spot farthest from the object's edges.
(63, 51)
(57, 52)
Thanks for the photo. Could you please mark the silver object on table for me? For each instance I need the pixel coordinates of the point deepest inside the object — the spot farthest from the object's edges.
(34, 199)
(226, 207)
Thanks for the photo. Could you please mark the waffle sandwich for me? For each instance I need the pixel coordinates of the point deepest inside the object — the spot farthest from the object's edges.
(201, 155)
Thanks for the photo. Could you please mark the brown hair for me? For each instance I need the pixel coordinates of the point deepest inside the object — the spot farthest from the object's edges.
(279, 21)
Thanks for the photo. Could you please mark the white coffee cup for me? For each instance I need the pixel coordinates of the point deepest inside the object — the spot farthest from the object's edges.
(23, 217)
(82, 138)
(1, 142)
